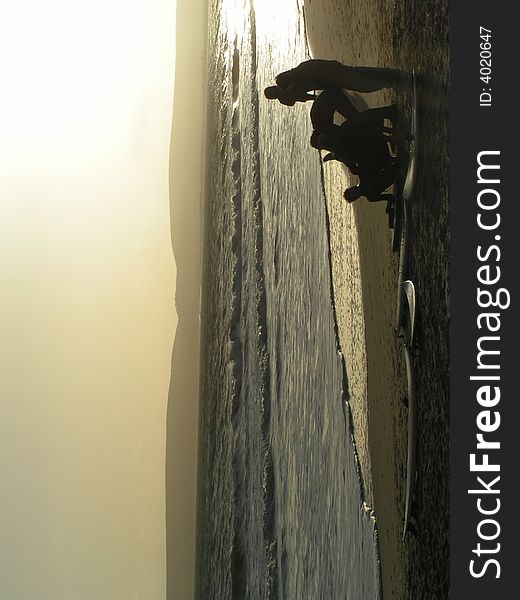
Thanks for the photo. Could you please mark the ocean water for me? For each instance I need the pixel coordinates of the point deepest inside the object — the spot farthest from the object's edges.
(280, 500)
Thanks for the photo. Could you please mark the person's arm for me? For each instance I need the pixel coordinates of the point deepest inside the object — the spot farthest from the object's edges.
(329, 102)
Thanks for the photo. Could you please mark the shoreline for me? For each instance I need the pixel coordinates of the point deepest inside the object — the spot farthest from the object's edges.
(405, 36)
(365, 305)
(365, 286)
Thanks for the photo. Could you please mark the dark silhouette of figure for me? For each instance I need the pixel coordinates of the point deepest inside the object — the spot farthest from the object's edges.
(358, 143)
(364, 150)
(320, 74)
(329, 102)
(326, 104)
(361, 142)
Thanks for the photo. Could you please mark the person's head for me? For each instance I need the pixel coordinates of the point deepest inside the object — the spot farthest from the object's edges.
(285, 79)
(274, 92)
(321, 140)
(316, 140)
(353, 193)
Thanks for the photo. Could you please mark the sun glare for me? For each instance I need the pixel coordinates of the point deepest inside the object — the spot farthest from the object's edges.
(275, 15)
(67, 66)
(234, 11)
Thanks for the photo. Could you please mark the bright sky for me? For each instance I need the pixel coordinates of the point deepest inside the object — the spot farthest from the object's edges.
(87, 316)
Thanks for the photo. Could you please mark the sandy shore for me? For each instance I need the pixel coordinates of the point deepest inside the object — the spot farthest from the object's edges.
(378, 33)
(365, 273)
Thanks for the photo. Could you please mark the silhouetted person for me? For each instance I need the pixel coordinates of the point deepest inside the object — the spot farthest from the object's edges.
(372, 185)
(366, 157)
(360, 142)
(338, 150)
(329, 102)
(320, 74)
(356, 143)
(326, 104)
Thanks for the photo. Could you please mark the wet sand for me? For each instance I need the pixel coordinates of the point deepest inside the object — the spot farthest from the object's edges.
(365, 275)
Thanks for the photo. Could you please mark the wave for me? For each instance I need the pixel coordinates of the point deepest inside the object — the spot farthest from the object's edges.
(269, 487)
(249, 327)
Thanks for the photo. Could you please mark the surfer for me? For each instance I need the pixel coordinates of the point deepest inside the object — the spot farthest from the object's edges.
(376, 172)
(329, 102)
(372, 185)
(356, 143)
(320, 74)
(326, 104)
(361, 142)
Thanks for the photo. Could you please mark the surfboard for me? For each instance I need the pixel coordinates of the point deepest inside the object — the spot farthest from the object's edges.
(409, 293)
(412, 439)
(412, 143)
(404, 194)
(403, 256)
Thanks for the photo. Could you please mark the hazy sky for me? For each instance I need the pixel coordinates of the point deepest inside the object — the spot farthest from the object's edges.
(87, 315)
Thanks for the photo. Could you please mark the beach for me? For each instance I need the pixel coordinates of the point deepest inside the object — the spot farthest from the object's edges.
(303, 428)
(364, 269)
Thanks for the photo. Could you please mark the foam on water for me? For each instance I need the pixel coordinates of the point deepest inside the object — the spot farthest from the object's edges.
(280, 494)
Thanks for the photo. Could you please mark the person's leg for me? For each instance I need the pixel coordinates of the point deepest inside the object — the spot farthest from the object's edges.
(373, 120)
(323, 74)
(374, 182)
(330, 74)
(354, 193)
(370, 146)
(378, 115)
(371, 79)
(351, 194)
